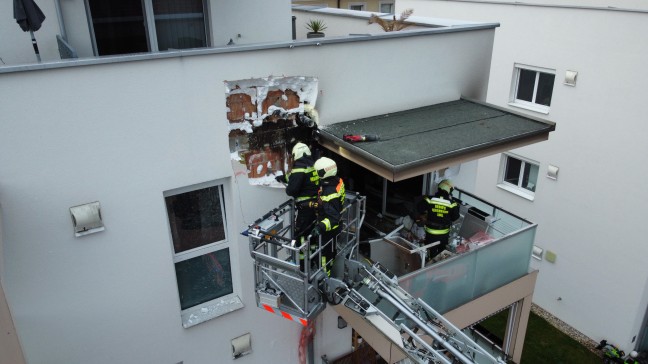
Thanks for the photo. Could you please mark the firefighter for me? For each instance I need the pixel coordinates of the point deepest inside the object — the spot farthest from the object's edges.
(302, 185)
(331, 197)
(441, 210)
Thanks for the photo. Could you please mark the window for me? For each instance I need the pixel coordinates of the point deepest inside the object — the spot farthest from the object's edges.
(532, 88)
(357, 6)
(126, 26)
(387, 7)
(201, 257)
(518, 175)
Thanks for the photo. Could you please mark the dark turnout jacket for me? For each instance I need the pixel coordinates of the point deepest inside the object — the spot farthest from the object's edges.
(331, 202)
(303, 181)
(441, 211)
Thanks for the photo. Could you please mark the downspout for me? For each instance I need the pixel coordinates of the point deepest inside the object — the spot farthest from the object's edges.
(59, 15)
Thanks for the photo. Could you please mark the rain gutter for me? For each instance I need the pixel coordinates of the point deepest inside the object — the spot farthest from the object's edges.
(577, 7)
(59, 15)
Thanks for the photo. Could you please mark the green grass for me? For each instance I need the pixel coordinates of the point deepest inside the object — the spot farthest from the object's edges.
(544, 344)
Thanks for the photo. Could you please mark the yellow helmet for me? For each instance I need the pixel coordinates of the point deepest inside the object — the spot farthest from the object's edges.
(446, 185)
(299, 150)
(325, 167)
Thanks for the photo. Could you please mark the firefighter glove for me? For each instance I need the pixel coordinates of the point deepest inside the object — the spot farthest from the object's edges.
(281, 178)
(316, 231)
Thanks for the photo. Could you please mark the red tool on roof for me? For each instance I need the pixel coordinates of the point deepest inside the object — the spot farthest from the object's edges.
(354, 138)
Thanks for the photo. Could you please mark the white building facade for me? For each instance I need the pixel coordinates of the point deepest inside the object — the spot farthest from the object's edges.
(132, 131)
(584, 187)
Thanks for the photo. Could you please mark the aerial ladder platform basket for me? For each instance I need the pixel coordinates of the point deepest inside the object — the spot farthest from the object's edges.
(282, 286)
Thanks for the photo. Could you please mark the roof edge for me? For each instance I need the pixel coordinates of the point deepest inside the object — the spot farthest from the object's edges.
(411, 169)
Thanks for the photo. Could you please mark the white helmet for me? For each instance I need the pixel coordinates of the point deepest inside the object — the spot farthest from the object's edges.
(446, 185)
(299, 150)
(325, 167)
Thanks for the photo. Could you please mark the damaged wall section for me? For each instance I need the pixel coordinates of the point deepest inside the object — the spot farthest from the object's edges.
(266, 117)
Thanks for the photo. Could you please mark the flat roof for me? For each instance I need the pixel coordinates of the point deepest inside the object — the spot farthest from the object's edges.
(417, 141)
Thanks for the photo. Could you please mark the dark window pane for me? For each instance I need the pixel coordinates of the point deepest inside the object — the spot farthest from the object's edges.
(204, 278)
(513, 167)
(530, 176)
(525, 176)
(196, 218)
(526, 83)
(177, 6)
(179, 24)
(545, 89)
(180, 33)
(386, 8)
(119, 26)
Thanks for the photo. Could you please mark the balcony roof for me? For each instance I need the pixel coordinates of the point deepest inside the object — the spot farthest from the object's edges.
(417, 141)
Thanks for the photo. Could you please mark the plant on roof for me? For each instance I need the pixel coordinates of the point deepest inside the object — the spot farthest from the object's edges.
(393, 24)
(316, 25)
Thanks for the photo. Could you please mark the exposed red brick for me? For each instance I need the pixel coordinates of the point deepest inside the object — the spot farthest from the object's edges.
(265, 162)
(238, 105)
(276, 98)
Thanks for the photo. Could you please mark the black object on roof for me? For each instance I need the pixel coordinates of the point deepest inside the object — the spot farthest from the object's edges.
(425, 139)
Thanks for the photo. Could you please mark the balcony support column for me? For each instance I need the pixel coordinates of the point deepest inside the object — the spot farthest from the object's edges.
(516, 328)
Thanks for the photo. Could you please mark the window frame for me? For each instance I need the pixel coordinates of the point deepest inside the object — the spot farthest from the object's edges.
(149, 26)
(356, 3)
(222, 305)
(514, 101)
(381, 3)
(516, 189)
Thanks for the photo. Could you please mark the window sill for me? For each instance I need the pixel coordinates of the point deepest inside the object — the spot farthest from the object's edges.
(527, 195)
(209, 310)
(532, 107)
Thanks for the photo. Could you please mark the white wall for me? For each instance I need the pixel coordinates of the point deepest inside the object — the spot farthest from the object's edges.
(16, 45)
(122, 133)
(76, 26)
(592, 217)
(256, 21)
(227, 20)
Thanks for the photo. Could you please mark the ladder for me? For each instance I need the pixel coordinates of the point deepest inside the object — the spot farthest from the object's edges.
(362, 292)
(416, 329)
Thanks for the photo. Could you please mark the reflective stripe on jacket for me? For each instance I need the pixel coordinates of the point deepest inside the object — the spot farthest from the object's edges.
(303, 181)
(441, 212)
(331, 197)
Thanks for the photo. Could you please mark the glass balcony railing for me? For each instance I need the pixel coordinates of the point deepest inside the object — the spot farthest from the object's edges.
(490, 247)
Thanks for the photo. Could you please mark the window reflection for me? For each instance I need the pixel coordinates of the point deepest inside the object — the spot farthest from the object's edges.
(196, 218)
(204, 278)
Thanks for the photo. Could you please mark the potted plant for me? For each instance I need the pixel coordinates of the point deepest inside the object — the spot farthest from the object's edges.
(315, 28)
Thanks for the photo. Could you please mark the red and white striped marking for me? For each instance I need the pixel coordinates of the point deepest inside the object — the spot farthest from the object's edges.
(285, 315)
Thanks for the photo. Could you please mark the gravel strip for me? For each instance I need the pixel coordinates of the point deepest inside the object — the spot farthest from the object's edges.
(568, 330)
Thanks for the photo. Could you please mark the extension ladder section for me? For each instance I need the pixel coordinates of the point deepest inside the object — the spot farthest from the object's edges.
(408, 325)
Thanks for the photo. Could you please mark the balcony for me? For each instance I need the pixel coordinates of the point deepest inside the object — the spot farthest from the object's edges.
(493, 249)
(485, 271)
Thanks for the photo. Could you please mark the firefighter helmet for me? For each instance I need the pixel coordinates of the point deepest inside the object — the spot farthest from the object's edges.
(299, 150)
(446, 185)
(325, 167)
